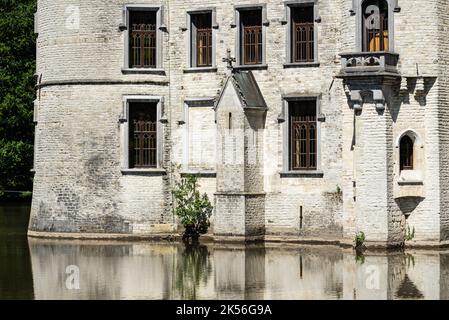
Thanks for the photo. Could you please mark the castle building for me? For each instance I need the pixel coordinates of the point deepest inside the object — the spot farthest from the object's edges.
(306, 120)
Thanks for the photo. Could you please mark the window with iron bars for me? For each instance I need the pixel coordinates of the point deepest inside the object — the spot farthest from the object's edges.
(303, 135)
(375, 26)
(202, 39)
(142, 135)
(252, 37)
(303, 34)
(142, 43)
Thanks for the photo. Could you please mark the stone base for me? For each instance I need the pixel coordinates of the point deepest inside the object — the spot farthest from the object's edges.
(345, 243)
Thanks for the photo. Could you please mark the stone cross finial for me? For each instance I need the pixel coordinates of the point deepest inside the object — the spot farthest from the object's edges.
(229, 59)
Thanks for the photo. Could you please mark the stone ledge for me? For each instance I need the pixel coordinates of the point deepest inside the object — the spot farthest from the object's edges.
(410, 182)
(200, 69)
(209, 238)
(102, 236)
(85, 82)
(144, 71)
(148, 172)
(201, 174)
(302, 174)
(252, 67)
(301, 65)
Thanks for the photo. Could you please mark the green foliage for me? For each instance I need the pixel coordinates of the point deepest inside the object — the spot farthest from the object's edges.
(192, 208)
(17, 67)
(339, 191)
(359, 239)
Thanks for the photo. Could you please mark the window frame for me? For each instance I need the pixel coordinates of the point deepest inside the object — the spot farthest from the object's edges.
(238, 34)
(191, 41)
(124, 128)
(410, 156)
(288, 21)
(358, 13)
(286, 132)
(207, 102)
(159, 37)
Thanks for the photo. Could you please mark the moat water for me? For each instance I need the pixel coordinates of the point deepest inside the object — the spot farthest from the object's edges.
(39, 269)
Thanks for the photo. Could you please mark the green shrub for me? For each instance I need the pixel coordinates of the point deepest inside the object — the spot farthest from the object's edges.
(192, 208)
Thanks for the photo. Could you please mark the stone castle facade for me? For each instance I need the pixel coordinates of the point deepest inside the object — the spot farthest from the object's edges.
(306, 120)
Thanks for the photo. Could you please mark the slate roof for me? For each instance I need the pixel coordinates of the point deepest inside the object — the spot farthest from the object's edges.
(247, 89)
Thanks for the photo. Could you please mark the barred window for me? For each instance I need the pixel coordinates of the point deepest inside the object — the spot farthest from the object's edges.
(406, 153)
(251, 36)
(142, 39)
(142, 135)
(201, 36)
(303, 33)
(303, 135)
(375, 25)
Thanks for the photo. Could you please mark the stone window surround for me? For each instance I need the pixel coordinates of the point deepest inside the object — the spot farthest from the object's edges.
(124, 133)
(191, 58)
(193, 102)
(160, 27)
(283, 118)
(411, 177)
(356, 11)
(236, 24)
(287, 21)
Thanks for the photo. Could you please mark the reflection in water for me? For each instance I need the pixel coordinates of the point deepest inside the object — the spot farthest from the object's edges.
(192, 271)
(15, 265)
(212, 271)
(116, 270)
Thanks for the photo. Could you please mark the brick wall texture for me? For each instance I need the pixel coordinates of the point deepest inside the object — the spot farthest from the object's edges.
(79, 184)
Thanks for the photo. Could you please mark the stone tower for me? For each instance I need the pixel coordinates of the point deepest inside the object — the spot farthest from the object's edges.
(313, 139)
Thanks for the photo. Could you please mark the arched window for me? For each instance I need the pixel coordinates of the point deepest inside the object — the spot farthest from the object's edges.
(406, 153)
(375, 31)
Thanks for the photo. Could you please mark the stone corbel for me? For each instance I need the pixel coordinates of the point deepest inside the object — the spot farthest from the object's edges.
(379, 100)
(122, 26)
(321, 117)
(353, 10)
(404, 84)
(356, 100)
(163, 27)
(420, 87)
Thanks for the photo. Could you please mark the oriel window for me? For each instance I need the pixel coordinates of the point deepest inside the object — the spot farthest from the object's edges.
(303, 135)
(251, 36)
(375, 25)
(142, 39)
(302, 33)
(406, 153)
(142, 135)
(201, 35)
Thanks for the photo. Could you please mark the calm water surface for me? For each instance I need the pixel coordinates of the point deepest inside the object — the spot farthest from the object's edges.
(39, 269)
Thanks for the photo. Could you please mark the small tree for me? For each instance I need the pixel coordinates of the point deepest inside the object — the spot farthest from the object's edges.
(193, 209)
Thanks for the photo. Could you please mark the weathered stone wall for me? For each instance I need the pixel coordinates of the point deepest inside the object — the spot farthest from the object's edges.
(443, 114)
(79, 186)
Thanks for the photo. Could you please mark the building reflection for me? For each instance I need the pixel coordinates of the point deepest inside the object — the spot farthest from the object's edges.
(173, 271)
